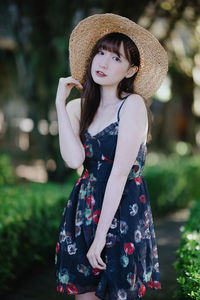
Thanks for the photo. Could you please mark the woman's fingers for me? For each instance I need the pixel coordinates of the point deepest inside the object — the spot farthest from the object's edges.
(64, 88)
(94, 253)
(100, 261)
(71, 81)
(97, 262)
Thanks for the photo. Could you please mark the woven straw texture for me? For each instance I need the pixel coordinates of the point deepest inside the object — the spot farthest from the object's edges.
(153, 57)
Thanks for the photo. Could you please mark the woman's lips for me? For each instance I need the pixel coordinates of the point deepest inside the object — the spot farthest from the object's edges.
(100, 74)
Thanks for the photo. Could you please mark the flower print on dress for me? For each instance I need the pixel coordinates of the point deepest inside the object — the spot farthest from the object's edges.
(83, 269)
(88, 216)
(87, 190)
(142, 291)
(68, 238)
(90, 201)
(150, 214)
(137, 236)
(71, 248)
(92, 178)
(150, 283)
(110, 240)
(136, 170)
(138, 180)
(96, 215)
(114, 130)
(82, 192)
(123, 227)
(122, 294)
(129, 248)
(96, 271)
(62, 235)
(99, 164)
(57, 247)
(71, 289)
(64, 276)
(124, 261)
(142, 198)
(77, 182)
(154, 284)
(56, 252)
(156, 267)
(77, 230)
(113, 225)
(131, 278)
(105, 158)
(78, 222)
(85, 174)
(155, 251)
(147, 234)
(60, 289)
(88, 150)
(147, 274)
(69, 203)
(146, 215)
(133, 209)
(78, 218)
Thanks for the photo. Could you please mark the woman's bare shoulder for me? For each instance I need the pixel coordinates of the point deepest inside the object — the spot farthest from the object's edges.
(74, 106)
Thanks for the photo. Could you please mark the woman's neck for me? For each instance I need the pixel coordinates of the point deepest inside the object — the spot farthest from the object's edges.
(109, 97)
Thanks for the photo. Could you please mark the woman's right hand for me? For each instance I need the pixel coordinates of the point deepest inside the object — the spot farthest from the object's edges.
(64, 88)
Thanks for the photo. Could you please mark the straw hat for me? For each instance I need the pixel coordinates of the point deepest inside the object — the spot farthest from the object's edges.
(153, 57)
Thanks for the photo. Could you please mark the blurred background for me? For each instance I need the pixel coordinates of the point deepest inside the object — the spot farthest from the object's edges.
(35, 182)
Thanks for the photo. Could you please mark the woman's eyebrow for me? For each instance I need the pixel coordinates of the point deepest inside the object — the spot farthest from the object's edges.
(101, 48)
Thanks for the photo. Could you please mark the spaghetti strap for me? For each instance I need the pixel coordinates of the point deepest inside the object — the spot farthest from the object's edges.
(120, 108)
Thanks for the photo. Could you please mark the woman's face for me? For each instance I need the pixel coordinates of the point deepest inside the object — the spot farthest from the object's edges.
(114, 68)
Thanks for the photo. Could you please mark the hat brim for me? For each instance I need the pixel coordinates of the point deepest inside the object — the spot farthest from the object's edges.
(153, 57)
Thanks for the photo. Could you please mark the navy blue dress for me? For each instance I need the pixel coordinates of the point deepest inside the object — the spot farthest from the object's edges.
(130, 252)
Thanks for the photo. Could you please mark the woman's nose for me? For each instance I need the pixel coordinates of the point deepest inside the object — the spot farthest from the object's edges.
(104, 61)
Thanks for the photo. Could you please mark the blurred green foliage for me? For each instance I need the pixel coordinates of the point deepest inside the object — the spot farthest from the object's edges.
(173, 183)
(187, 264)
(7, 174)
(29, 220)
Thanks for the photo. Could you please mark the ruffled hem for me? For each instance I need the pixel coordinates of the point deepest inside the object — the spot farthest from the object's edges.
(102, 290)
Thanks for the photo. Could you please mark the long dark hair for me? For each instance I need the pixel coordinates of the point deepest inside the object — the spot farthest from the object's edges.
(90, 94)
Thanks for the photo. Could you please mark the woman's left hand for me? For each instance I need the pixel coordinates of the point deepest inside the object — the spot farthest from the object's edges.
(94, 253)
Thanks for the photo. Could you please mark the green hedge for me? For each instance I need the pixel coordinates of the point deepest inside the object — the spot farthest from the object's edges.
(29, 220)
(187, 264)
(172, 184)
(7, 174)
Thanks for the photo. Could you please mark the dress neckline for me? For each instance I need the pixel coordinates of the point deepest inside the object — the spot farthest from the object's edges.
(106, 129)
(103, 130)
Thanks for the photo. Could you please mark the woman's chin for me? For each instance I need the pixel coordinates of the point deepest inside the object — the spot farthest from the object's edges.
(98, 80)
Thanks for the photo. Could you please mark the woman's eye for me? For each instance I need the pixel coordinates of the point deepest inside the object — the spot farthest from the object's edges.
(100, 51)
(117, 58)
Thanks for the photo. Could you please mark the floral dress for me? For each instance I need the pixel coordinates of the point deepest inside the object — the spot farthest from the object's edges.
(130, 252)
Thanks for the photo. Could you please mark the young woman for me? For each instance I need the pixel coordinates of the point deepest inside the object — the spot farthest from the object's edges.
(106, 247)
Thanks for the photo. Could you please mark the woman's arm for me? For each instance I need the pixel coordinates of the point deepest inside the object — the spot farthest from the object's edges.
(71, 147)
(133, 126)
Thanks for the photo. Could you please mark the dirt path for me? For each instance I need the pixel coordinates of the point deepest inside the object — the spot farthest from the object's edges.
(41, 286)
